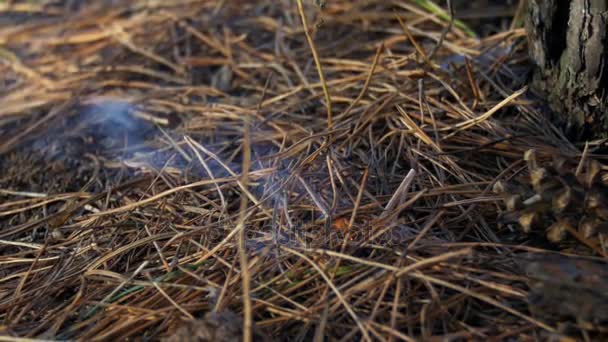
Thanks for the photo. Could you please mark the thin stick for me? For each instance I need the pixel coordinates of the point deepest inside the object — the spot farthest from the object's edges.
(353, 216)
(315, 56)
(445, 31)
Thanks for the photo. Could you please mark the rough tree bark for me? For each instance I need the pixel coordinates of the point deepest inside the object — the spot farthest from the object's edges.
(568, 41)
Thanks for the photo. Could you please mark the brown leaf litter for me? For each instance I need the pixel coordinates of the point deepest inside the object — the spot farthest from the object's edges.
(163, 162)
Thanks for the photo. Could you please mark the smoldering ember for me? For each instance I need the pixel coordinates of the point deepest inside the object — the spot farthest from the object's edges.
(303, 170)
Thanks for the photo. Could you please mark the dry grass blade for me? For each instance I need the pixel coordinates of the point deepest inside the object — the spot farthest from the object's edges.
(315, 56)
(399, 195)
(248, 322)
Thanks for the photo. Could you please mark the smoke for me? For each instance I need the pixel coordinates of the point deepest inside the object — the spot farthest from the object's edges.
(113, 123)
(487, 59)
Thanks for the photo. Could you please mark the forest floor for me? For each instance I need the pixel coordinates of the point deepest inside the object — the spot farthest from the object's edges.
(181, 170)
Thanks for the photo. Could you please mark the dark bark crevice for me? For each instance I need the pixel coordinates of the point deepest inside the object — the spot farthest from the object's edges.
(604, 66)
(556, 36)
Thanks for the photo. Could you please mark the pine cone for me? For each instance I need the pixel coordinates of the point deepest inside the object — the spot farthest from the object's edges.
(557, 198)
(554, 279)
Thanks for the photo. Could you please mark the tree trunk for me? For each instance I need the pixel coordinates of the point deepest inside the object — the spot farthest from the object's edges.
(568, 41)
